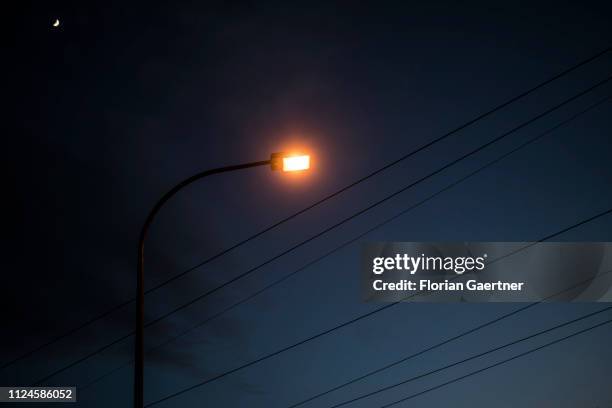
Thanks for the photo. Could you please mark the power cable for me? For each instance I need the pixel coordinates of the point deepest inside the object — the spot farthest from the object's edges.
(499, 363)
(345, 244)
(315, 204)
(470, 358)
(361, 317)
(328, 229)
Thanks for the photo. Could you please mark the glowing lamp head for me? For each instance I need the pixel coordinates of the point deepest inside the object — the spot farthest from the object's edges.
(289, 162)
(296, 163)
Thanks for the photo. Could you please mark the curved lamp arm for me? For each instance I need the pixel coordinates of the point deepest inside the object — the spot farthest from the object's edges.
(139, 338)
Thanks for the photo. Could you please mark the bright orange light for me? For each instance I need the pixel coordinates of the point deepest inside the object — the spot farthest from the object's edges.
(289, 162)
(296, 163)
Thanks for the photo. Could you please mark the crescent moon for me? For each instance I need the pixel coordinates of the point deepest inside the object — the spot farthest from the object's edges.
(56, 23)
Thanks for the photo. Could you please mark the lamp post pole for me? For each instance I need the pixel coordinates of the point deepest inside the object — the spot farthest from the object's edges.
(139, 338)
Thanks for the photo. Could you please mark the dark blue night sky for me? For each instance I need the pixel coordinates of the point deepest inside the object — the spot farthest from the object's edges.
(109, 110)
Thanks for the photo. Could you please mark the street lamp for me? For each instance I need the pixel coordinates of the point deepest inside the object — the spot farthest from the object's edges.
(278, 161)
